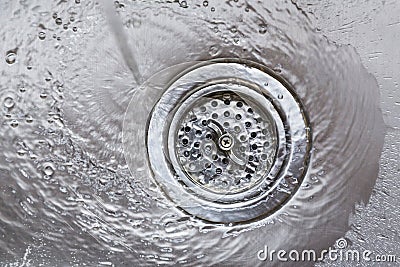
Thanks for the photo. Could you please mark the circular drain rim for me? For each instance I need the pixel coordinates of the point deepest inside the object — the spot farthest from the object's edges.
(298, 142)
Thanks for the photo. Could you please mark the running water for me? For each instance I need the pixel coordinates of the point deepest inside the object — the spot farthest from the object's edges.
(68, 197)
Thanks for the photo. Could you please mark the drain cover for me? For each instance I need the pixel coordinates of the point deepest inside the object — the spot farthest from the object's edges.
(228, 141)
(221, 141)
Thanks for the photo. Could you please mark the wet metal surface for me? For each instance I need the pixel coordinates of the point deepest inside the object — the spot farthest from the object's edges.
(68, 194)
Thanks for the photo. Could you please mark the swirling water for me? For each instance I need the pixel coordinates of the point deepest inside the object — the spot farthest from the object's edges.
(67, 195)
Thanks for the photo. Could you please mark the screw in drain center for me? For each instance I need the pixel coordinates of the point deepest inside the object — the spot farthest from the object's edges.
(225, 142)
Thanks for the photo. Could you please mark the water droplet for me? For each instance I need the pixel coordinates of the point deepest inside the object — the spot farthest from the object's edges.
(9, 102)
(74, 29)
(278, 68)
(63, 189)
(212, 9)
(55, 15)
(48, 169)
(58, 21)
(214, 50)
(77, 1)
(21, 152)
(262, 29)
(65, 26)
(28, 119)
(280, 96)
(184, 4)
(205, 3)
(11, 57)
(42, 35)
(14, 123)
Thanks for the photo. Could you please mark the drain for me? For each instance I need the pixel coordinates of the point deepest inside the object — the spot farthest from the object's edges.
(222, 139)
(228, 141)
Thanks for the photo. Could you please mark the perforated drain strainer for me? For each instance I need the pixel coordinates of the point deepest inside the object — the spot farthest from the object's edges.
(223, 143)
(227, 141)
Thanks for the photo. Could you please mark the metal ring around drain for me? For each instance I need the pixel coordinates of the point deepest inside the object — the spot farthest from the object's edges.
(228, 141)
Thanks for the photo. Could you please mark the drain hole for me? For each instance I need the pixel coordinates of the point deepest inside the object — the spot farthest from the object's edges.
(227, 143)
(185, 141)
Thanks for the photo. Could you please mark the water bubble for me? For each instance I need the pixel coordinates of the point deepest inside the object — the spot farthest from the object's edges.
(55, 15)
(77, 1)
(63, 189)
(212, 9)
(205, 3)
(214, 50)
(280, 96)
(65, 26)
(14, 123)
(9, 102)
(262, 29)
(28, 119)
(183, 4)
(278, 68)
(42, 35)
(118, 4)
(58, 21)
(11, 57)
(74, 29)
(48, 169)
